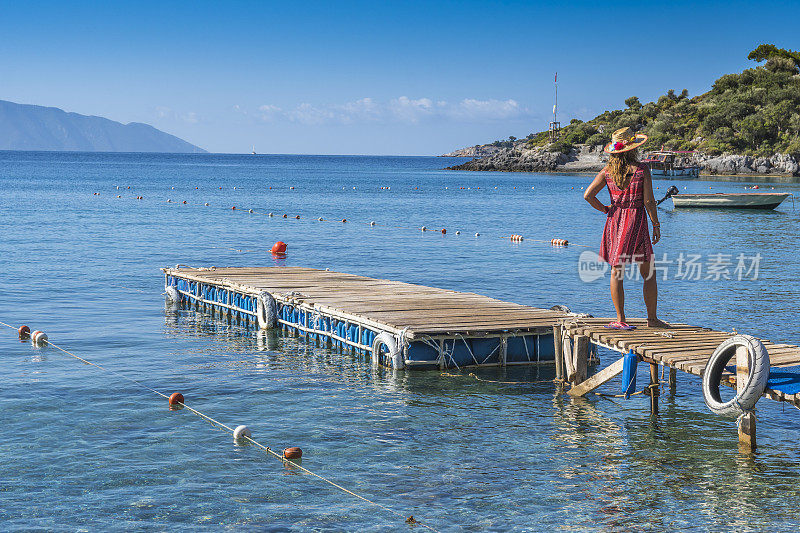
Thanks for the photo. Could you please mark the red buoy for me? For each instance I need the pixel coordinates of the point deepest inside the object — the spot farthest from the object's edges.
(24, 332)
(292, 453)
(176, 398)
(234, 208)
(278, 248)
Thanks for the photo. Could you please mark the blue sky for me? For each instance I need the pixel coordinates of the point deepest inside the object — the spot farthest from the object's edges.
(369, 77)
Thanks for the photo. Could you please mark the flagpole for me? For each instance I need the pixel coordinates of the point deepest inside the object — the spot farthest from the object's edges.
(555, 107)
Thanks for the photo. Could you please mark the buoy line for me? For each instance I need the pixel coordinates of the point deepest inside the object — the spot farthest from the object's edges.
(555, 242)
(240, 433)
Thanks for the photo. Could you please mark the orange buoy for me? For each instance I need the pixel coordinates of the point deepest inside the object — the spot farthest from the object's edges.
(24, 332)
(559, 242)
(516, 238)
(292, 453)
(185, 202)
(278, 248)
(233, 208)
(344, 220)
(444, 231)
(297, 217)
(285, 215)
(176, 398)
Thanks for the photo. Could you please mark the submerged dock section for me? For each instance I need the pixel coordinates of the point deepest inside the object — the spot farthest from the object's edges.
(398, 325)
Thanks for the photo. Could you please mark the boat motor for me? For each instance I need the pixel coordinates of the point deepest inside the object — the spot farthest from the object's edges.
(671, 191)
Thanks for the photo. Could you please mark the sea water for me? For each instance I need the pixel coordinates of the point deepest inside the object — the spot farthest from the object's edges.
(83, 449)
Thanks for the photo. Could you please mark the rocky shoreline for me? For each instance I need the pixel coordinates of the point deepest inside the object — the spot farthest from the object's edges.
(584, 158)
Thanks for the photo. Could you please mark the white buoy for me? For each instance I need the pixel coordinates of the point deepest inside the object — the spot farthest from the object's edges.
(477, 234)
(320, 219)
(423, 228)
(249, 210)
(207, 204)
(241, 432)
(39, 338)
(372, 223)
(458, 233)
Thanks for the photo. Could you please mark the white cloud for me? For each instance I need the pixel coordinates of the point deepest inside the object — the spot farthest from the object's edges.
(401, 109)
(166, 113)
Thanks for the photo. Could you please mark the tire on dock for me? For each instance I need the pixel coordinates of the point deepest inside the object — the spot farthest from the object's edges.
(267, 311)
(758, 373)
(395, 351)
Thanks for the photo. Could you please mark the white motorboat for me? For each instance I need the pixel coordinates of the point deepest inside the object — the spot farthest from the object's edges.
(743, 200)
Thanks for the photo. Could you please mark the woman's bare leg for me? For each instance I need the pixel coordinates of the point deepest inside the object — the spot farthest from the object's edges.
(618, 291)
(650, 291)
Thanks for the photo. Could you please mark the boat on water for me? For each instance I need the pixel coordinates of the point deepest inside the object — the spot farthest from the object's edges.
(670, 163)
(740, 200)
(743, 200)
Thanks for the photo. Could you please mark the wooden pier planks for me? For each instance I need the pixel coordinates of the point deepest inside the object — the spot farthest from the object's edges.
(417, 309)
(684, 347)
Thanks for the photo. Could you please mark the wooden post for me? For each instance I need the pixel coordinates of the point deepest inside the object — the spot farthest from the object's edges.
(673, 381)
(747, 422)
(567, 349)
(654, 389)
(559, 353)
(581, 358)
(504, 349)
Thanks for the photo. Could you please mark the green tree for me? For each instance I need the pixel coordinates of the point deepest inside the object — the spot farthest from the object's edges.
(766, 52)
(633, 103)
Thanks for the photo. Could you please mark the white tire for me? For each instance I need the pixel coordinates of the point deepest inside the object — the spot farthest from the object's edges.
(758, 361)
(395, 352)
(267, 311)
(172, 294)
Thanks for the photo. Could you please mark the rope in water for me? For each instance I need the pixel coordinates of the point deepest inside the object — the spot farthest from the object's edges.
(373, 224)
(409, 519)
(477, 378)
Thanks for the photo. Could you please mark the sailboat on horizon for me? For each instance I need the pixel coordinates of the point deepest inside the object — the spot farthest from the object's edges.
(254, 150)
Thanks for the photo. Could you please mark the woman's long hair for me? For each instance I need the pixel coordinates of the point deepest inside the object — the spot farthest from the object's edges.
(621, 166)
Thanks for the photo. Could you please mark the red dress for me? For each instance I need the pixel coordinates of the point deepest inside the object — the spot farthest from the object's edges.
(626, 237)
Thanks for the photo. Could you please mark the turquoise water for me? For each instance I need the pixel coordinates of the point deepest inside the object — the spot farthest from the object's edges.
(85, 450)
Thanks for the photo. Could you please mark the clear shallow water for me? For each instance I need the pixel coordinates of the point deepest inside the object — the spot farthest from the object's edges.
(82, 449)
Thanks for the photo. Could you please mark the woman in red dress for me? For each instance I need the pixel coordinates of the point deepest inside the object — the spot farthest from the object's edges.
(626, 238)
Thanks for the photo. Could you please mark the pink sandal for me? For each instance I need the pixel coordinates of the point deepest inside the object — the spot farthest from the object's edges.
(620, 325)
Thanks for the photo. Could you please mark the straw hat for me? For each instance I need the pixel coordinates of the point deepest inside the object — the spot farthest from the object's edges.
(624, 140)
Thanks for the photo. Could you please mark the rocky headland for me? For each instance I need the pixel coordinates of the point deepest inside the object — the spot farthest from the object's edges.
(585, 158)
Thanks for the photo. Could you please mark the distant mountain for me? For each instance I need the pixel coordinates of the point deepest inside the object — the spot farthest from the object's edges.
(33, 127)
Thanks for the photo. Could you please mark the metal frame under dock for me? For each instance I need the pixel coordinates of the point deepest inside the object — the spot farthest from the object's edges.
(398, 325)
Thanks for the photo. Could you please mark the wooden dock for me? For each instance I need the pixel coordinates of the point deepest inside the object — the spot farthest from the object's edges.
(432, 327)
(407, 326)
(680, 347)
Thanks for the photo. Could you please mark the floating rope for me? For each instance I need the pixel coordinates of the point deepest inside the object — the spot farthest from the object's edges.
(408, 519)
(514, 238)
(477, 378)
